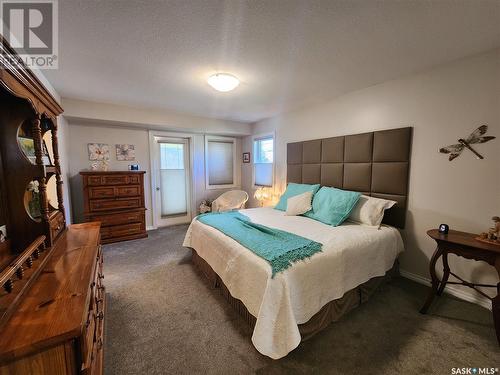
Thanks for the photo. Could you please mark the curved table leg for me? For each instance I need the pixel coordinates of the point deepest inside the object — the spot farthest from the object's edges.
(446, 274)
(435, 280)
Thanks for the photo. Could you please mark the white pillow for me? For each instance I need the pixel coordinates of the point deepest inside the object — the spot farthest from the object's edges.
(370, 211)
(299, 204)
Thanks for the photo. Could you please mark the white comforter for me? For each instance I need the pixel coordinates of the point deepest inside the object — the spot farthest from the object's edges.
(351, 255)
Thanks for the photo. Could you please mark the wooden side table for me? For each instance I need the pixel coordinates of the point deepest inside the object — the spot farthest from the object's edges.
(463, 244)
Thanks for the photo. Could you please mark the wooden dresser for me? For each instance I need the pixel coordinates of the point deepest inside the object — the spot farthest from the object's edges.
(116, 199)
(58, 328)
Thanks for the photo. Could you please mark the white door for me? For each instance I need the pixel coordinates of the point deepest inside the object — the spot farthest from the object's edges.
(172, 179)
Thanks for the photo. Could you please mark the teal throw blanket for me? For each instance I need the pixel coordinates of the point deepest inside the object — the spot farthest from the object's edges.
(278, 247)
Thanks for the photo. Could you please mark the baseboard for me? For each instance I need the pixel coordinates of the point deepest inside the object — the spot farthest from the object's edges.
(461, 293)
(148, 228)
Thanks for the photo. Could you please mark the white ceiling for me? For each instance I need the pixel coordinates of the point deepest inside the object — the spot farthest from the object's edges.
(287, 53)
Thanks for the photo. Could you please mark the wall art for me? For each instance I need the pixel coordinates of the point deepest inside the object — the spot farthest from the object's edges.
(98, 151)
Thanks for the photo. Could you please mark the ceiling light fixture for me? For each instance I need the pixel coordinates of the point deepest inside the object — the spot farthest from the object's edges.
(223, 82)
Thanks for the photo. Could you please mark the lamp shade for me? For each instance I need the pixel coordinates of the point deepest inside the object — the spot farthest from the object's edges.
(262, 194)
(259, 194)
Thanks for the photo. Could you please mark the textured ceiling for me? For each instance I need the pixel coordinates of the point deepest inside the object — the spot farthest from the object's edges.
(287, 53)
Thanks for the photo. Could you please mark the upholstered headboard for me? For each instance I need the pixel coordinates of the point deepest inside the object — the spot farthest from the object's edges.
(375, 163)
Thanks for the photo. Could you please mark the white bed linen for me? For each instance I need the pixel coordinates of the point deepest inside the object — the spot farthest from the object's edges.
(351, 255)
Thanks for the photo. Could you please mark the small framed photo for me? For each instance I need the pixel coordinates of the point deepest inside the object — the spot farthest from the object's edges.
(246, 157)
(28, 147)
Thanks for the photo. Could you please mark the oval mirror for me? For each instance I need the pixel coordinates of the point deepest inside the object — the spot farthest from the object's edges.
(52, 192)
(47, 144)
(32, 200)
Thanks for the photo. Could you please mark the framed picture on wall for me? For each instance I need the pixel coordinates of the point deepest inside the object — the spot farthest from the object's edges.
(98, 151)
(246, 157)
(125, 152)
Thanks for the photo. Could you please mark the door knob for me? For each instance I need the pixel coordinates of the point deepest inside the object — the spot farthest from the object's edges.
(157, 189)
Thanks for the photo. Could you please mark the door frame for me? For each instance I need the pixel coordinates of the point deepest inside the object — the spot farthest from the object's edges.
(153, 134)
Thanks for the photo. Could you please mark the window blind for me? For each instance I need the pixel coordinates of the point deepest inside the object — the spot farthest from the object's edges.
(263, 161)
(220, 162)
(172, 179)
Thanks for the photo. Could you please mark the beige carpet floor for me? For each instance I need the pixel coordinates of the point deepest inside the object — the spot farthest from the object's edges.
(162, 318)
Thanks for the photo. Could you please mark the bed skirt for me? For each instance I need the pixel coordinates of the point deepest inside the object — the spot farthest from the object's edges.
(330, 313)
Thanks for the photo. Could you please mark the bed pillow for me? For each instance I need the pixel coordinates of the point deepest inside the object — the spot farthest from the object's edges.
(294, 189)
(332, 206)
(299, 204)
(370, 211)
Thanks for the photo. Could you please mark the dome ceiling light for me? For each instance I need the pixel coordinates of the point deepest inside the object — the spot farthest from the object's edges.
(223, 82)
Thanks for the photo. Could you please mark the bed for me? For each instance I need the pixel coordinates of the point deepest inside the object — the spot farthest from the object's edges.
(306, 297)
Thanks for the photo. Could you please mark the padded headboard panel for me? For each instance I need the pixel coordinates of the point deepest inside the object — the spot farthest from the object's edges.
(375, 164)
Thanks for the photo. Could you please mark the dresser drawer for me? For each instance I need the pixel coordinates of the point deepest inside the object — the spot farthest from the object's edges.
(97, 355)
(88, 338)
(115, 204)
(114, 191)
(57, 224)
(111, 179)
(119, 218)
(94, 180)
(108, 180)
(134, 179)
(128, 191)
(121, 230)
(101, 192)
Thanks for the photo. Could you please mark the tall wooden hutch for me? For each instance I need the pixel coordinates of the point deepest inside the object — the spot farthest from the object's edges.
(52, 297)
(30, 177)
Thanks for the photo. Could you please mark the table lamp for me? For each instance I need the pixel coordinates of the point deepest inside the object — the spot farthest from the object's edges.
(262, 194)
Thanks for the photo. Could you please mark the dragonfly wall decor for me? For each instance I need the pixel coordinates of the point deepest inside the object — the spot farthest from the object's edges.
(477, 136)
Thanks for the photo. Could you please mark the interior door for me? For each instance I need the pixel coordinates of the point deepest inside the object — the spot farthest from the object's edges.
(173, 188)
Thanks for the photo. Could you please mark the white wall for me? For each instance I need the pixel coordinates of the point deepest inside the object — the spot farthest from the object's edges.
(443, 104)
(113, 114)
(113, 124)
(82, 134)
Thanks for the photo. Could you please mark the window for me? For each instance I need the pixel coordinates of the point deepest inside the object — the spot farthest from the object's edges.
(220, 162)
(263, 160)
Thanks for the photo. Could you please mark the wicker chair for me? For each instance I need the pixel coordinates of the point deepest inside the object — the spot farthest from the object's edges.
(230, 200)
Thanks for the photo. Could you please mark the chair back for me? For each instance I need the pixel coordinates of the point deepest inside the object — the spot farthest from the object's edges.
(230, 200)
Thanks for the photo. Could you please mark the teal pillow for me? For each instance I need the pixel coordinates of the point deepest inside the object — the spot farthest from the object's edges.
(332, 206)
(294, 189)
